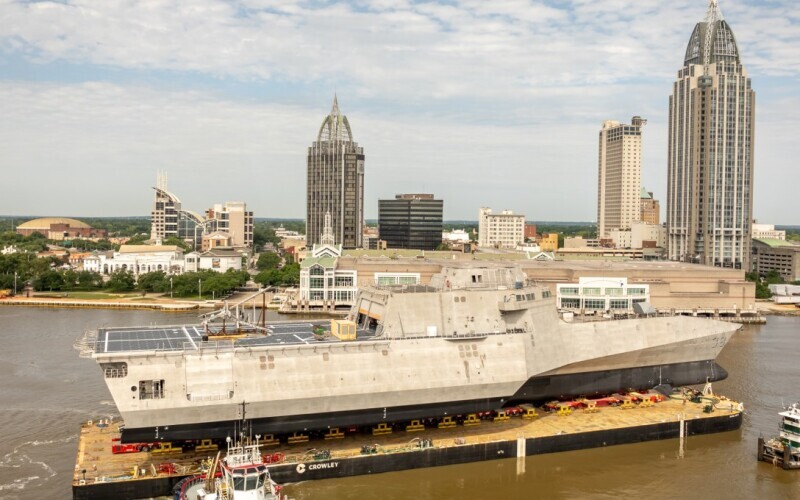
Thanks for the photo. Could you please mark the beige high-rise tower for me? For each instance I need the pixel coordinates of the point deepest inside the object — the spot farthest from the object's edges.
(335, 182)
(619, 175)
(710, 151)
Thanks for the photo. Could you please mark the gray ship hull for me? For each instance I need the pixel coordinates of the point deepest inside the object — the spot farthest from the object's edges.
(536, 389)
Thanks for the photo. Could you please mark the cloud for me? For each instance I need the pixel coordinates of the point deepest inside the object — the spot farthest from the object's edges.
(484, 103)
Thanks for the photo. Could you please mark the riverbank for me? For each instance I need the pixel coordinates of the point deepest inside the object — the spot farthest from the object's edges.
(154, 302)
(769, 308)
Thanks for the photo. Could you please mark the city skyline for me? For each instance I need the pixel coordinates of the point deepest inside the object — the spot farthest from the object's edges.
(485, 104)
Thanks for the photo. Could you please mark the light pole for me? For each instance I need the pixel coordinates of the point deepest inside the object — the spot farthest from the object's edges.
(200, 286)
(15, 282)
(170, 287)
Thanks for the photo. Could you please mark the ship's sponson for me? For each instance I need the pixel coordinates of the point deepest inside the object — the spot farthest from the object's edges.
(483, 340)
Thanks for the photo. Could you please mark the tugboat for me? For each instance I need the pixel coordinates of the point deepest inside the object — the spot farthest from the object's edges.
(243, 476)
(784, 449)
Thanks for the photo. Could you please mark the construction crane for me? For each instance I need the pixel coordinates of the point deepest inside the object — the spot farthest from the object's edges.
(713, 15)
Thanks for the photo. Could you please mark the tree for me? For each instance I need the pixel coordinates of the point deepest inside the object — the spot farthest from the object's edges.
(288, 275)
(268, 260)
(172, 240)
(154, 282)
(50, 280)
(121, 280)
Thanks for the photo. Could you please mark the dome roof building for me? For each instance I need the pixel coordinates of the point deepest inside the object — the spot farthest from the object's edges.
(60, 228)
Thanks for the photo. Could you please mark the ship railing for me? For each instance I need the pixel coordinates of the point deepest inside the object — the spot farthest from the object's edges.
(209, 346)
(462, 336)
(85, 344)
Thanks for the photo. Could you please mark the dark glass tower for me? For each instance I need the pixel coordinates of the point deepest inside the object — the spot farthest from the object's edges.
(411, 221)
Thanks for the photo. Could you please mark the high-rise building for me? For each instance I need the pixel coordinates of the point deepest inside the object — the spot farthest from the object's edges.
(335, 182)
(234, 219)
(503, 230)
(411, 221)
(710, 150)
(651, 208)
(168, 219)
(619, 175)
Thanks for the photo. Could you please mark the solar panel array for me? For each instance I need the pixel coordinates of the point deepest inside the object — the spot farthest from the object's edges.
(175, 338)
(147, 339)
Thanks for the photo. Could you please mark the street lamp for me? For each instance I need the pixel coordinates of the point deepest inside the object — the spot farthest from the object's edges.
(15, 282)
(200, 286)
(170, 287)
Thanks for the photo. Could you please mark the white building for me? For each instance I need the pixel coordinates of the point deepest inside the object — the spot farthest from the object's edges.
(761, 231)
(234, 219)
(503, 230)
(456, 236)
(216, 259)
(639, 233)
(283, 233)
(139, 259)
(601, 294)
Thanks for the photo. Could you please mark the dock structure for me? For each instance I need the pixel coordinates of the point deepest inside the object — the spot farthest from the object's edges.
(100, 474)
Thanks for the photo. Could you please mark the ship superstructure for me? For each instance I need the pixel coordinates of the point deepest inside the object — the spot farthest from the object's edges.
(475, 339)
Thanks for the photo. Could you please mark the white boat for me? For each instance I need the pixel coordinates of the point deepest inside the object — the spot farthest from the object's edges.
(243, 475)
(783, 449)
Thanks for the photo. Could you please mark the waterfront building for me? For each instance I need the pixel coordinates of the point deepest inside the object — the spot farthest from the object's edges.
(216, 259)
(411, 221)
(322, 285)
(781, 256)
(138, 259)
(761, 231)
(234, 219)
(601, 294)
(335, 182)
(503, 230)
(651, 208)
(60, 228)
(619, 175)
(710, 151)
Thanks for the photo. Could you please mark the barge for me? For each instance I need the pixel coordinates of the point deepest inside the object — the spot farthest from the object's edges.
(100, 474)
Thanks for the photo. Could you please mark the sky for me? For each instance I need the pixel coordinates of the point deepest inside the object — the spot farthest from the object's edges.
(494, 103)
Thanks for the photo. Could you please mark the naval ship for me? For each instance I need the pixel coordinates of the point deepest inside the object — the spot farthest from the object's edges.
(474, 339)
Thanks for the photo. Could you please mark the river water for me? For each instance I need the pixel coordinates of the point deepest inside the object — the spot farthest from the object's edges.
(46, 391)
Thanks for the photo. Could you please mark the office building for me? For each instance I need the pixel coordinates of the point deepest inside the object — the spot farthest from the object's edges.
(781, 256)
(619, 175)
(710, 151)
(650, 208)
(234, 219)
(503, 230)
(411, 221)
(767, 231)
(335, 182)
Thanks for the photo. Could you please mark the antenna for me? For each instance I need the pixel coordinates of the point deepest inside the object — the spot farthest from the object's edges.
(713, 15)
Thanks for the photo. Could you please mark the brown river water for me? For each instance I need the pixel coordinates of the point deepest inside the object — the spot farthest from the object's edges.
(46, 391)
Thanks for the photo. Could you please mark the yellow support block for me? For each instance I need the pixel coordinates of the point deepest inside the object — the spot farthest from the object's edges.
(446, 423)
(528, 411)
(626, 405)
(206, 445)
(591, 407)
(381, 428)
(334, 433)
(501, 416)
(646, 403)
(297, 437)
(415, 426)
(269, 440)
(563, 411)
(471, 419)
(165, 448)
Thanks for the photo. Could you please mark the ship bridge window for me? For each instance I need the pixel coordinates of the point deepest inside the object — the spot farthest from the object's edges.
(115, 370)
(151, 389)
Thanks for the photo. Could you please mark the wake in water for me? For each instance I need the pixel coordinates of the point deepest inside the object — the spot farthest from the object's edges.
(18, 459)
